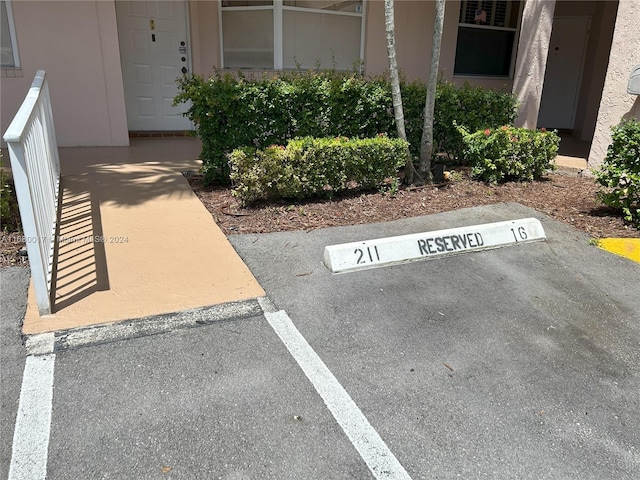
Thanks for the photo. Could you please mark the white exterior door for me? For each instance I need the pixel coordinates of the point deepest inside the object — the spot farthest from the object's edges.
(154, 51)
(563, 74)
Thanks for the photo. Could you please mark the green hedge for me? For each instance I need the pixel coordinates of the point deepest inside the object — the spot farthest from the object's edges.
(9, 212)
(314, 167)
(5, 199)
(509, 153)
(620, 171)
(232, 111)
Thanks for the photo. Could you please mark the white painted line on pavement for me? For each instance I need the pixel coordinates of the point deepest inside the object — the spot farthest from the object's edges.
(380, 460)
(33, 421)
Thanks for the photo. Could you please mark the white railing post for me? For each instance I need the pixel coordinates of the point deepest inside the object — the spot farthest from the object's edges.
(35, 165)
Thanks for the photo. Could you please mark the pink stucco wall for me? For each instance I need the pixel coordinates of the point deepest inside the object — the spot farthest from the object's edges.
(537, 22)
(76, 43)
(616, 104)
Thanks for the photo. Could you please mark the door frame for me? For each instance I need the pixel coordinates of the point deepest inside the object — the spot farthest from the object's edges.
(187, 16)
(576, 94)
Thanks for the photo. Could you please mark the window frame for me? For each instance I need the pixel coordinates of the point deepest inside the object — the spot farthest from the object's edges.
(514, 50)
(278, 8)
(12, 36)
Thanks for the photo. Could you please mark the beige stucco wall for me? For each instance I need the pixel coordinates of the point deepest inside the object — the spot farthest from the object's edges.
(414, 27)
(84, 73)
(413, 23)
(616, 103)
(205, 35)
(414, 37)
(86, 78)
(535, 33)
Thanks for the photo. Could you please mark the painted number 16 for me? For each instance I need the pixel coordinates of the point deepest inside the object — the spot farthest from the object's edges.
(520, 234)
(371, 253)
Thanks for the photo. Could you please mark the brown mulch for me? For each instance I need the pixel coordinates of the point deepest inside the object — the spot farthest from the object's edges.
(11, 243)
(562, 195)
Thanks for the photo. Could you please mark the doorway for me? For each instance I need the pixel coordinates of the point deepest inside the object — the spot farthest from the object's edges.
(563, 75)
(154, 52)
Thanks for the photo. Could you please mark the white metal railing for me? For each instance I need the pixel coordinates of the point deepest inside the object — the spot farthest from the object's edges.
(31, 140)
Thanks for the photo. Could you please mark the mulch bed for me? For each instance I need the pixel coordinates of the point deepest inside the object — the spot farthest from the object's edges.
(562, 195)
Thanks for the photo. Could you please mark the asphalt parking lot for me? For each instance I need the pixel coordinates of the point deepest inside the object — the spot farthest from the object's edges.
(518, 362)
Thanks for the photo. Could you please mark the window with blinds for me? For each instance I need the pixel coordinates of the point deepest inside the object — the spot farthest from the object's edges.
(495, 13)
(486, 37)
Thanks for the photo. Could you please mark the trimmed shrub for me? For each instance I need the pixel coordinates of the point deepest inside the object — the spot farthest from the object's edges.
(314, 167)
(233, 111)
(474, 108)
(509, 153)
(620, 171)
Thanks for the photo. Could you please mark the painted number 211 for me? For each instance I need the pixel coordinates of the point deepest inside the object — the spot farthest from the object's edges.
(370, 253)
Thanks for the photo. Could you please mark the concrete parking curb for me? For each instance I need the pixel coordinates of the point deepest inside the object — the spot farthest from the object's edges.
(42, 344)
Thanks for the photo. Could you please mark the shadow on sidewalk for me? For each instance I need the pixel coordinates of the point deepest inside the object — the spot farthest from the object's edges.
(80, 268)
(94, 178)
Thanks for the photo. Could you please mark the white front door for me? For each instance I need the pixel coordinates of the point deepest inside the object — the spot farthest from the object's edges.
(563, 74)
(154, 52)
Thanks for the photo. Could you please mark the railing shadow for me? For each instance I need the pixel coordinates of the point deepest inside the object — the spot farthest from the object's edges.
(80, 266)
(114, 178)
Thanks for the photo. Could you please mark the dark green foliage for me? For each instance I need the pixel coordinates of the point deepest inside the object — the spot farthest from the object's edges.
(474, 108)
(232, 111)
(9, 213)
(509, 153)
(5, 197)
(314, 167)
(620, 171)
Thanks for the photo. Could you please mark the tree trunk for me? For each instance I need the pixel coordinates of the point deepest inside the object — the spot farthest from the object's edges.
(426, 143)
(396, 95)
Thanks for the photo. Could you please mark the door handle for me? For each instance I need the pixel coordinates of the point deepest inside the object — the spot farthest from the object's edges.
(184, 70)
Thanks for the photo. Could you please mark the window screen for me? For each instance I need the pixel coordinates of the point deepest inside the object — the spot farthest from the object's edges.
(8, 50)
(486, 37)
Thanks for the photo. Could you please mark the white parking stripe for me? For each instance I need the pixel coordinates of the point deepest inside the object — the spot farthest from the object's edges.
(33, 422)
(380, 460)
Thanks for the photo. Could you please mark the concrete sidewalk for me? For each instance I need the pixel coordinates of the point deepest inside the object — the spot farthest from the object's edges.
(135, 240)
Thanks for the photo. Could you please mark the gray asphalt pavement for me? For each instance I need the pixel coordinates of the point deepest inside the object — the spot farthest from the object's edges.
(519, 362)
(14, 282)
